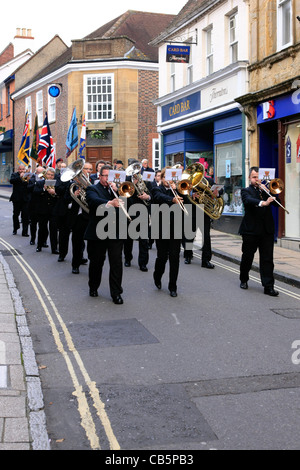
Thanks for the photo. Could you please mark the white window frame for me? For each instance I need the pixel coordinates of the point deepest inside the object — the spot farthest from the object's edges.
(28, 108)
(282, 24)
(233, 41)
(99, 110)
(209, 50)
(39, 107)
(51, 108)
(173, 77)
(156, 154)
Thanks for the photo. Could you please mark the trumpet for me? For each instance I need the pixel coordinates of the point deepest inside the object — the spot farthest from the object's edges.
(276, 186)
(176, 196)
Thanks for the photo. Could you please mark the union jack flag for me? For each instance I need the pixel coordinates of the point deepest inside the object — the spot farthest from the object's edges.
(46, 150)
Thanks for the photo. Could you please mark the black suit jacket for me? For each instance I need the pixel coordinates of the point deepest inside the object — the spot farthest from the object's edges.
(257, 220)
(20, 189)
(97, 195)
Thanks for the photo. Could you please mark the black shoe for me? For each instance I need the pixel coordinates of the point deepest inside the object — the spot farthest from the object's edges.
(208, 265)
(15, 232)
(271, 291)
(38, 249)
(117, 300)
(60, 258)
(93, 293)
(187, 260)
(244, 285)
(127, 264)
(144, 269)
(32, 242)
(83, 261)
(173, 293)
(75, 270)
(45, 245)
(157, 283)
(55, 252)
(25, 234)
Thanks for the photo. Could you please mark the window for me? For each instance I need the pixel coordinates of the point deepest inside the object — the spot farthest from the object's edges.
(209, 51)
(156, 154)
(28, 108)
(284, 23)
(172, 77)
(8, 99)
(233, 41)
(51, 108)
(99, 97)
(39, 107)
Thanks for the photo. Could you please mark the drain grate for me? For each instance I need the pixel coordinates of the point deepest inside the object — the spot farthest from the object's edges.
(292, 313)
(9, 253)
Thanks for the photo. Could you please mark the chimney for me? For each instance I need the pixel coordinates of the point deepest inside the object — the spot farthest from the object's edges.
(23, 40)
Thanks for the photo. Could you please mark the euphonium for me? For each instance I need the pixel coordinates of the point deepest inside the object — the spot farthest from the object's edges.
(212, 205)
(74, 172)
(140, 185)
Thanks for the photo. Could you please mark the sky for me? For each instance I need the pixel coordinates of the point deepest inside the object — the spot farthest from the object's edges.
(72, 19)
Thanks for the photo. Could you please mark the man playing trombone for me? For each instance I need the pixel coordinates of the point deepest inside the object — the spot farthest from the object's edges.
(257, 230)
(103, 195)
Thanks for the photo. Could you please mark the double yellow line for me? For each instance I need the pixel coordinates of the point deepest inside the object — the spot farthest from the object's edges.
(87, 421)
(253, 278)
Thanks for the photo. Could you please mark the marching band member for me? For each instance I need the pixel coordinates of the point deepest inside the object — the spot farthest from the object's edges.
(20, 199)
(101, 195)
(167, 249)
(257, 230)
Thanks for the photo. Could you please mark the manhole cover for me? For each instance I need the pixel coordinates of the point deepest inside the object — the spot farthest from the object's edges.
(293, 313)
(9, 253)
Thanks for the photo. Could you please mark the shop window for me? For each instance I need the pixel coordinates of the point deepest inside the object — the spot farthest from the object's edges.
(229, 172)
(292, 181)
(284, 24)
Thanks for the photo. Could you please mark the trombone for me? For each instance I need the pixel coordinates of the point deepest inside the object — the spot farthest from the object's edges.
(183, 187)
(126, 189)
(276, 186)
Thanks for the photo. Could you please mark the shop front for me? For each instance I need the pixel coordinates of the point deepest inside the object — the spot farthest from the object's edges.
(278, 120)
(6, 157)
(218, 143)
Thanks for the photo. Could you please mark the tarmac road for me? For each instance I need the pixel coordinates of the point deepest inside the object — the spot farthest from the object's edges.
(210, 369)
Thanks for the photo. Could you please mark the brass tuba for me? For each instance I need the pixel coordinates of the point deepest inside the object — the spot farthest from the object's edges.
(74, 172)
(213, 205)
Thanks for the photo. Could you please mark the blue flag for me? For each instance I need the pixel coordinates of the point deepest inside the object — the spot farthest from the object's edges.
(24, 151)
(72, 137)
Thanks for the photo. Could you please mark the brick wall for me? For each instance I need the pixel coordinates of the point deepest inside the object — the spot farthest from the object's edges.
(147, 112)
(7, 54)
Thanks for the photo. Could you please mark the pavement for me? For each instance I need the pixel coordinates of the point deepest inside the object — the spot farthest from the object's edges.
(22, 417)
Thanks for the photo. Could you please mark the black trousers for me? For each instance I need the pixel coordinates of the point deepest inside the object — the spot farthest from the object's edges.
(21, 207)
(265, 245)
(206, 239)
(143, 257)
(45, 221)
(78, 244)
(97, 253)
(167, 250)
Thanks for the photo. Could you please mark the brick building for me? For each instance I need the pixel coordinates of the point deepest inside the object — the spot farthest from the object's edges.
(111, 75)
(272, 104)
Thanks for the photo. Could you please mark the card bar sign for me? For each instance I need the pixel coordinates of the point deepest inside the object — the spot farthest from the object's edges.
(179, 54)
